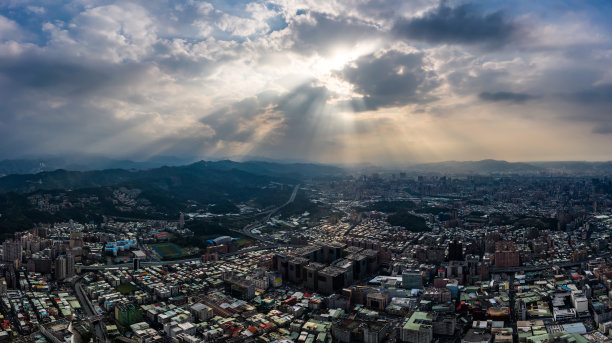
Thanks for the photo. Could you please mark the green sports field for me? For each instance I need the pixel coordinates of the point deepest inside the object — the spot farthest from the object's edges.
(167, 250)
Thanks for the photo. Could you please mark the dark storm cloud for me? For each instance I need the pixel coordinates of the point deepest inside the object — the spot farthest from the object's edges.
(392, 79)
(180, 65)
(240, 121)
(54, 104)
(305, 114)
(592, 104)
(603, 129)
(232, 123)
(62, 77)
(463, 24)
(593, 95)
(290, 119)
(505, 96)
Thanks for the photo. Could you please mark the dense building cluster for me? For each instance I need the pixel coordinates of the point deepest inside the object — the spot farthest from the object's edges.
(501, 260)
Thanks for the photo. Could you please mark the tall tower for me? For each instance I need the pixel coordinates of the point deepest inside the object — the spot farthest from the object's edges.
(11, 250)
(60, 268)
(69, 265)
(181, 222)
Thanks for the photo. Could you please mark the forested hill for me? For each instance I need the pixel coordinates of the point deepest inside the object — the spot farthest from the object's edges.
(163, 192)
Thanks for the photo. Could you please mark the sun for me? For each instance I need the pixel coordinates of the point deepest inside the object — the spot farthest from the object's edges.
(326, 69)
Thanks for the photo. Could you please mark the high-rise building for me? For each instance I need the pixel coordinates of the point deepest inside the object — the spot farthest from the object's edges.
(417, 329)
(506, 254)
(11, 250)
(127, 314)
(455, 251)
(412, 279)
(69, 265)
(60, 268)
(181, 222)
(11, 277)
(41, 232)
(76, 240)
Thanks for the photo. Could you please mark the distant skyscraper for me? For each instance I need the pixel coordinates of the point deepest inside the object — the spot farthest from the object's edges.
(41, 232)
(11, 277)
(60, 268)
(69, 265)
(11, 250)
(76, 239)
(181, 222)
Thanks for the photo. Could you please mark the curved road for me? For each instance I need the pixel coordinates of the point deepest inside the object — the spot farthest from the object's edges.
(246, 230)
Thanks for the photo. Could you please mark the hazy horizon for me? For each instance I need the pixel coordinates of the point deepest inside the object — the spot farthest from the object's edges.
(347, 82)
(185, 160)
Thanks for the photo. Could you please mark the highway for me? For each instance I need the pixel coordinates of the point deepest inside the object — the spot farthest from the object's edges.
(246, 230)
(270, 212)
(291, 198)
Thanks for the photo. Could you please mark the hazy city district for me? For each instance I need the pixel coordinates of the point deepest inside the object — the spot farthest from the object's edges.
(333, 256)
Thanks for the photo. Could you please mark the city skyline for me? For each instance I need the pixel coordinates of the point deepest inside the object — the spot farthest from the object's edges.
(332, 82)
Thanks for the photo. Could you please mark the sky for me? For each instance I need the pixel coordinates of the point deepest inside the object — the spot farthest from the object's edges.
(384, 82)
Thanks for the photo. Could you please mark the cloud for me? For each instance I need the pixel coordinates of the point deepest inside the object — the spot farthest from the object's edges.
(9, 29)
(604, 129)
(390, 79)
(323, 34)
(463, 24)
(36, 9)
(238, 26)
(271, 121)
(238, 122)
(593, 95)
(306, 113)
(56, 105)
(307, 79)
(117, 32)
(277, 124)
(505, 96)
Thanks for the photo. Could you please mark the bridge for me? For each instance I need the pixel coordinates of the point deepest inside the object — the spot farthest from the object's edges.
(94, 319)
